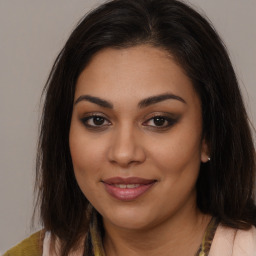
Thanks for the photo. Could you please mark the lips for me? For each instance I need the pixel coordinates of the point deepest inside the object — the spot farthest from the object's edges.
(127, 189)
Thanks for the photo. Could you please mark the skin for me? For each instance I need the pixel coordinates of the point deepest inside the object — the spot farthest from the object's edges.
(128, 143)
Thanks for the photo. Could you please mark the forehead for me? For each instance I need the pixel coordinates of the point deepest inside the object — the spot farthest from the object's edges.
(133, 73)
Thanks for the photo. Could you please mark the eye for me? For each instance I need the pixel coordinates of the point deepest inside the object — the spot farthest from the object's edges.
(95, 121)
(160, 122)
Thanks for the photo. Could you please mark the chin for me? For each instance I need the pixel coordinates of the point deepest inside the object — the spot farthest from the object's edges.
(129, 218)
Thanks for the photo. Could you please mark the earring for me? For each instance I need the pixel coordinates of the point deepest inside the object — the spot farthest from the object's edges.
(209, 159)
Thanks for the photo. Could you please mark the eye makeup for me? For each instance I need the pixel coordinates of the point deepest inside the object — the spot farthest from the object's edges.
(159, 121)
(95, 121)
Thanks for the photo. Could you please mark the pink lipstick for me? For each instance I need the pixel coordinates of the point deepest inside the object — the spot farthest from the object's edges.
(127, 189)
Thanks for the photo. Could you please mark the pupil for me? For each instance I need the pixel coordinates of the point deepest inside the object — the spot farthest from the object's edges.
(98, 120)
(159, 121)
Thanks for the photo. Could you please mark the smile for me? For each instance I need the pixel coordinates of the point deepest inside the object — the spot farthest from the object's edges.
(126, 185)
(127, 189)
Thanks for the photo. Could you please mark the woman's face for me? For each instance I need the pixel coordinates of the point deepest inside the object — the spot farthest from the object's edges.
(136, 137)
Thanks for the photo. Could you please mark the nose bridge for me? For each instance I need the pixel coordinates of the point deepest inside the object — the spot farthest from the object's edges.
(126, 147)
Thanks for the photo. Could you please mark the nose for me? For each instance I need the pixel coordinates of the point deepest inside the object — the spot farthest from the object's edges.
(126, 148)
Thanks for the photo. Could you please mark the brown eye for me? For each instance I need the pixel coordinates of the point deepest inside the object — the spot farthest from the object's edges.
(95, 121)
(98, 120)
(160, 122)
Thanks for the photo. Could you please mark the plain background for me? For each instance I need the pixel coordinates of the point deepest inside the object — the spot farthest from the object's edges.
(31, 35)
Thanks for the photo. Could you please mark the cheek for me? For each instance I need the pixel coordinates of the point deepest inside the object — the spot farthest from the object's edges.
(177, 152)
(178, 162)
(86, 166)
(87, 156)
(84, 154)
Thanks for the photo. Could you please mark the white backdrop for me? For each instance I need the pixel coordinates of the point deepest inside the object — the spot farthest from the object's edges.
(31, 34)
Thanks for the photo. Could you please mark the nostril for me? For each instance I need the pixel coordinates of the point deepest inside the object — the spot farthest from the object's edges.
(125, 149)
(127, 158)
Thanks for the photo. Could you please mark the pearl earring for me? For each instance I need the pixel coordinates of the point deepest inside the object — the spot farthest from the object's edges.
(209, 159)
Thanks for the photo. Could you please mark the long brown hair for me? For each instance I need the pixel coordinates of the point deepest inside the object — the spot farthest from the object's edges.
(225, 186)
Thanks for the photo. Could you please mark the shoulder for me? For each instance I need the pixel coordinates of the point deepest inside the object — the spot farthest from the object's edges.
(234, 242)
(245, 242)
(31, 246)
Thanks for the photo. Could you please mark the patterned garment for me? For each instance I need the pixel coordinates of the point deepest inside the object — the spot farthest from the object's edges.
(208, 238)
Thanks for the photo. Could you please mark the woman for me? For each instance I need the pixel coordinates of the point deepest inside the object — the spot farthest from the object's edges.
(145, 147)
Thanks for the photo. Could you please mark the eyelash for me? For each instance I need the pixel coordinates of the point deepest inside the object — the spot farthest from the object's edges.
(91, 117)
(170, 122)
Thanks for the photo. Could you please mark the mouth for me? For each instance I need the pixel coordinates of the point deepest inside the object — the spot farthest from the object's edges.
(127, 189)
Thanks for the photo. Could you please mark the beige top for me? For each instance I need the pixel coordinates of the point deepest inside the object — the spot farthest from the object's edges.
(233, 242)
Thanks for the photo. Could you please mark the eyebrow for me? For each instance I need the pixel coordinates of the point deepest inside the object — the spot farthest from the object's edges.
(142, 104)
(158, 98)
(95, 100)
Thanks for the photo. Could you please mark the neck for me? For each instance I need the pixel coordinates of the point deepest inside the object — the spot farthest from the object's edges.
(179, 235)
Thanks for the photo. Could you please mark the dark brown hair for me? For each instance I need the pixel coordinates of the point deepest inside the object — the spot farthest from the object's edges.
(225, 185)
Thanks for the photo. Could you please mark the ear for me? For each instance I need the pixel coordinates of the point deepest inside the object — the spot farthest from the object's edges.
(205, 155)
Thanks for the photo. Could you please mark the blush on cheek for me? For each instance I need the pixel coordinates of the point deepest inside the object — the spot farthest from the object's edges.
(178, 160)
(78, 145)
(86, 156)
